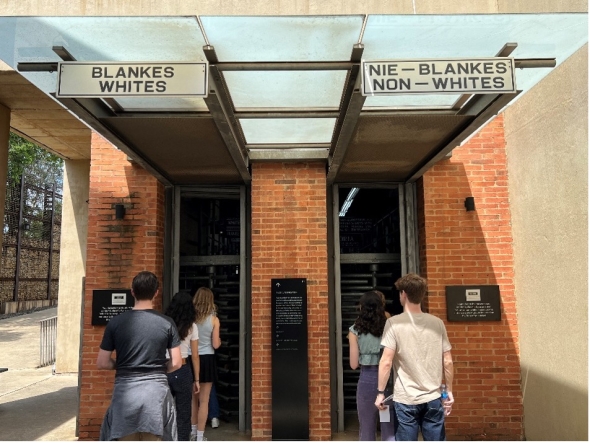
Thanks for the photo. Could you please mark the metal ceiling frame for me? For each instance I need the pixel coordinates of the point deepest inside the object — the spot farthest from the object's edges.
(226, 116)
(222, 110)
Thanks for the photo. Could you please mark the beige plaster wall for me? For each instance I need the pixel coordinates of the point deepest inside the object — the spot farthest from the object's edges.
(282, 7)
(547, 142)
(242, 7)
(72, 263)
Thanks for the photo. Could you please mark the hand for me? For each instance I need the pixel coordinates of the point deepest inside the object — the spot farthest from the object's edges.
(197, 387)
(448, 404)
(379, 402)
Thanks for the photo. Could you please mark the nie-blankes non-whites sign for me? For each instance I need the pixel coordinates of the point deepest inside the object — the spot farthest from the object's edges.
(115, 79)
(490, 75)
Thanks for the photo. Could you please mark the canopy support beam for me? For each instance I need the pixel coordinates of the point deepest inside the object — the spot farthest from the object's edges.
(350, 109)
(491, 111)
(219, 103)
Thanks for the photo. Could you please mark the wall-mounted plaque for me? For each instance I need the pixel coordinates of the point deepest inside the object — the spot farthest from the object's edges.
(106, 303)
(290, 402)
(473, 303)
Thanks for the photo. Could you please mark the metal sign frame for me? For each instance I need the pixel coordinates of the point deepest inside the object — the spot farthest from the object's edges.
(78, 79)
(425, 76)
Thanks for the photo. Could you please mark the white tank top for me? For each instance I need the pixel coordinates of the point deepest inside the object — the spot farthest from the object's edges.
(206, 336)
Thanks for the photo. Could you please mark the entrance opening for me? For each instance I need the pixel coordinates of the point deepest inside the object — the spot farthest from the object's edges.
(209, 256)
(370, 258)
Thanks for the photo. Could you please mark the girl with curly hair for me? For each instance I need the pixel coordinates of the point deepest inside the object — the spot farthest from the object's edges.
(182, 386)
(209, 341)
(364, 338)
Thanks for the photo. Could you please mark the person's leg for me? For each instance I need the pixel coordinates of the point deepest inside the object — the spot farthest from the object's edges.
(406, 422)
(183, 398)
(433, 422)
(366, 391)
(388, 427)
(194, 413)
(213, 404)
(203, 411)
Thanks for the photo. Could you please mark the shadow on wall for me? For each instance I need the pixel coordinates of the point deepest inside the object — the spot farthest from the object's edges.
(544, 399)
(459, 247)
(31, 418)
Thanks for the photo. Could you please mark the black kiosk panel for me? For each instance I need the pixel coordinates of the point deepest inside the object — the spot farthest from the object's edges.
(290, 402)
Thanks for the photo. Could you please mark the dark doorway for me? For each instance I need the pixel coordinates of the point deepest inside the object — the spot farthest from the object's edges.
(370, 258)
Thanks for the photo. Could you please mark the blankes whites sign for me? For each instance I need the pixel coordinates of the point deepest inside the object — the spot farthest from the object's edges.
(494, 75)
(114, 79)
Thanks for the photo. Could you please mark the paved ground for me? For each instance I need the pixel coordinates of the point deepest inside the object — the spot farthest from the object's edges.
(36, 405)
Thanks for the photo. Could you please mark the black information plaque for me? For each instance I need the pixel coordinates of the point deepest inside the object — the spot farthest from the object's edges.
(290, 402)
(473, 303)
(106, 303)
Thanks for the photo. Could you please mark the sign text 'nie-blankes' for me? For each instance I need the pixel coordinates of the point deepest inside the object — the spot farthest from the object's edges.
(440, 76)
(114, 79)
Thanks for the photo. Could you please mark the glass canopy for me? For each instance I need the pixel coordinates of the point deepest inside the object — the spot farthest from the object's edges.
(252, 44)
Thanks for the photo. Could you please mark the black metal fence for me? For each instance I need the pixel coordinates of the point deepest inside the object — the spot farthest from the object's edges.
(31, 239)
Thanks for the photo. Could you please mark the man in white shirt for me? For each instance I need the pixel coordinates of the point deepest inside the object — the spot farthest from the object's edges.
(416, 345)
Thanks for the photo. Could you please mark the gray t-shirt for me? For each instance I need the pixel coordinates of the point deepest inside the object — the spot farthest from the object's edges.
(369, 348)
(419, 341)
(141, 338)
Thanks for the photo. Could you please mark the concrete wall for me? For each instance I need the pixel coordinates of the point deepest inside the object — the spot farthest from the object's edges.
(4, 137)
(72, 263)
(547, 139)
(272, 7)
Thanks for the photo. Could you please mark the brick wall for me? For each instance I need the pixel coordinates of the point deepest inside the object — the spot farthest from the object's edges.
(289, 239)
(117, 250)
(463, 248)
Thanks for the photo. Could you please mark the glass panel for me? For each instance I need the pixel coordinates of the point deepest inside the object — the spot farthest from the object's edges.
(283, 130)
(130, 104)
(288, 38)
(389, 37)
(30, 39)
(411, 100)
(300, 89)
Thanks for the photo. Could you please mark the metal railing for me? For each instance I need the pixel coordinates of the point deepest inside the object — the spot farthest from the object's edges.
(47, 336)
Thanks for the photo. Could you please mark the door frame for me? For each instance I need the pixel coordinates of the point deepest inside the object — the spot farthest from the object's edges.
(409, 261)
(172, 258)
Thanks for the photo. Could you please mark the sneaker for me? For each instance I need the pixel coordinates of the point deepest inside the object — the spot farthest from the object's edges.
(215, 422)
(193, 437)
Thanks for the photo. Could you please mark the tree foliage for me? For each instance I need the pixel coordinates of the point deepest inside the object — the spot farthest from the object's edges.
(36, 163)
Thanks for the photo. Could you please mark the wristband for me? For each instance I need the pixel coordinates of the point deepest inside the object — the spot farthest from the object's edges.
(380, 392)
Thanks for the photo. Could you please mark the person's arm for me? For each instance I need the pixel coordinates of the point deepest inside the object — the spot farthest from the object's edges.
(354, 350)
(196, 365)
(175, 361)
(384, 370)
(449, 374)
(215, 338)
(104, 360)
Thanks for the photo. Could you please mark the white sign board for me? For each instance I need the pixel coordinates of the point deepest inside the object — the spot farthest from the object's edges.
(492, 75)
(134, 79)
(473, 295)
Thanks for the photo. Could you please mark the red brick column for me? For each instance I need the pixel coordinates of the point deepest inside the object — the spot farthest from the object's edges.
(117, 250)
(289, 240)
(464, 248)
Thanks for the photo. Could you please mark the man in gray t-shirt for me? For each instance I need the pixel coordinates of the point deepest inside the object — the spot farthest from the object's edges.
(142, 407)
(416, 345)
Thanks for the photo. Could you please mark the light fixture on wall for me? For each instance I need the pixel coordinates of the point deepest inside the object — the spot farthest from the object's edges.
(470, 204)
(119, 212)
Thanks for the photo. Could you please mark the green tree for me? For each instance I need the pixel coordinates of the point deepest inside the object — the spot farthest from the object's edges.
(38, 164)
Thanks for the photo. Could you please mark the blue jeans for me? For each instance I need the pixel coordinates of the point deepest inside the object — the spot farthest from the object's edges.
(426, 417)
(366, 392)
(213, 404)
